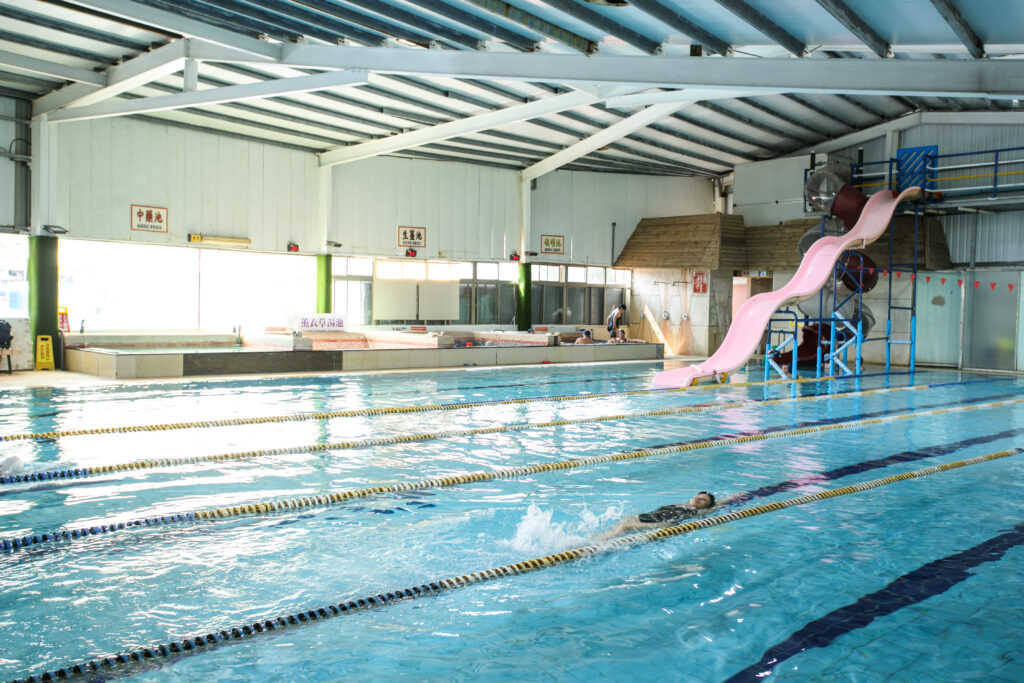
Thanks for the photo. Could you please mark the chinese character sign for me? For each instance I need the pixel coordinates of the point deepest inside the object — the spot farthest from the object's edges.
(412, 237)
(552, 244)
(318, 322)
(700, 283)
(149, 218)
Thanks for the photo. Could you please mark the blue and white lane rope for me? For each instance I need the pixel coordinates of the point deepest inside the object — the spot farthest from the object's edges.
(212, 639)
(82, 472)
(328, 499)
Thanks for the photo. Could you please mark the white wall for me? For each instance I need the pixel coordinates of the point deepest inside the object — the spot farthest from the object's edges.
(210, 184)
(770, 192)
(582, 207)
(468, 211)
(8, 131)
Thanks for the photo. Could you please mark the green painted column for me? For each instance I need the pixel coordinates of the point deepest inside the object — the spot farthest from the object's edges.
(42, 290)
(324, 283)
(524, 297)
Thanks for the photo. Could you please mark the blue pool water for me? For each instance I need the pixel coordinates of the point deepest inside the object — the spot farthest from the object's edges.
(917, 580)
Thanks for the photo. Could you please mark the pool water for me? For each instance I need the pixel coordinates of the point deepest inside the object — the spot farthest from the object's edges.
(920, 579)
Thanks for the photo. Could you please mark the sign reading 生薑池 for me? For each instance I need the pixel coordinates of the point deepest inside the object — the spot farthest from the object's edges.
(149, 218)
(411, 237)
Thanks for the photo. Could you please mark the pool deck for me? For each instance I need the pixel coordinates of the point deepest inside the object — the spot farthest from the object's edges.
(70, 379)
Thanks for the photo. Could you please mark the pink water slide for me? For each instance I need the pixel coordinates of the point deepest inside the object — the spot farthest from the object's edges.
(815, 269)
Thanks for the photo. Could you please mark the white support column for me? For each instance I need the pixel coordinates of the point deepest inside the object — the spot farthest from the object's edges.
(228, 93)
(600, 139)
(473, 124)
(43, 196)
(191, 75)
(525, 219)
(324, 203)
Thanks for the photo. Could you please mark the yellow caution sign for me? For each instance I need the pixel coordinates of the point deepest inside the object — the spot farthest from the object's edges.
(44, 352)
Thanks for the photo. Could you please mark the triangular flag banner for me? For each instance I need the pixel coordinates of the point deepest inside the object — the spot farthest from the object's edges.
(1010, 285)
(992, 286)
(898, 275)
(913, 275)
(959, 283)
(871, 271)
(976, 284)
(885, 272)
(927, 279)
(943, 280)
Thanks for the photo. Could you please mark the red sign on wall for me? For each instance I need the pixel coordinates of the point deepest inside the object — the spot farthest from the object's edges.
(149, 218)
(700, 283)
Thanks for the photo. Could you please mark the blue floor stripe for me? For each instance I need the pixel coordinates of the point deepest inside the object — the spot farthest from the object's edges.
(913, 587)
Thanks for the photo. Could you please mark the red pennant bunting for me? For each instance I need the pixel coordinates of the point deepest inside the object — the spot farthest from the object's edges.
(992, 286)
(959, 283)
(885, 273)
(976, 284)
(927, 279)
(871, 271)
(1010, 285)
(943, 280)
(898, 275)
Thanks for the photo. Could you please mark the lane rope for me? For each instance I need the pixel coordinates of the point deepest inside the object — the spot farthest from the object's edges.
(327, 499)
(209, 641)
(368, 412)
(78, 473)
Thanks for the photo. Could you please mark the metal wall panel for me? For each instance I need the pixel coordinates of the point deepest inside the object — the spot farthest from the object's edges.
(961, 138)
(985, 238)
(210, 184)
(468, 211)
(874, 150)
(582, 207)
(8, 131)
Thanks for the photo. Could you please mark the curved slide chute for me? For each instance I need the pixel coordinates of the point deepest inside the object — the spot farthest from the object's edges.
(816, 268)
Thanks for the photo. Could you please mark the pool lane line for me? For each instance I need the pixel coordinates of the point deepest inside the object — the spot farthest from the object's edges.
(208, 641)
(911, 588)
(394, 410)
(82, 472)
(9, 545)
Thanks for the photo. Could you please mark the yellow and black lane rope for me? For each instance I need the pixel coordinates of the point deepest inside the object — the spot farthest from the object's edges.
(212, 639)
(334, 498)
(427, 436)
(368, 412)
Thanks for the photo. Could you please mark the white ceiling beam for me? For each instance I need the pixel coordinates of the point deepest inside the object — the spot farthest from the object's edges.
(472, 124)
(980, 118)
(680, 96)
(978, 78)
(211, 96)
(600, 139)
(177, 23)
(39, 66)
(147, 67)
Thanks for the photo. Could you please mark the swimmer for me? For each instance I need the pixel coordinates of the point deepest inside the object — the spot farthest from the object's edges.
(667, 515)
(615, 319)
(586, 338)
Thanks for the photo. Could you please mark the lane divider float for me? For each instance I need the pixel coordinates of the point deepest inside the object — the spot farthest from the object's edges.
(328, 499)
(209, 641)
(368, 412)
(112, 468)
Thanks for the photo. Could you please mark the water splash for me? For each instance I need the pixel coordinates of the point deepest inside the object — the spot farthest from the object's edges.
(538, 534)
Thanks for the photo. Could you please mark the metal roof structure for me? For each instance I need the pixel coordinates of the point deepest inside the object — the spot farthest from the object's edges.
(660, 87)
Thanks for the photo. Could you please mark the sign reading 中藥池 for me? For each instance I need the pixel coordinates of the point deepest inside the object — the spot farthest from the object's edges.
(552, 244)
(318, 322)
(149, 218)
(409, 236)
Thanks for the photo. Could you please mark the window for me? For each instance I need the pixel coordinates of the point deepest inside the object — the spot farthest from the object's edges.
(548, 273)
(623, 278)
(463, 270)
(575, 274)
(389, 270)
(414, 270)
(14, 276)
(508, 272)
(487, 271)
(360, 266)
(595, 276)
(352, 301)
(575, 313)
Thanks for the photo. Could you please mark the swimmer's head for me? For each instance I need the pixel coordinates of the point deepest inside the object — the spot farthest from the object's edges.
(588, 333)
(703, 500)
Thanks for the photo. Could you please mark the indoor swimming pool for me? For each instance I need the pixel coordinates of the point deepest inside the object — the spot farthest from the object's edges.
(143, 521)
